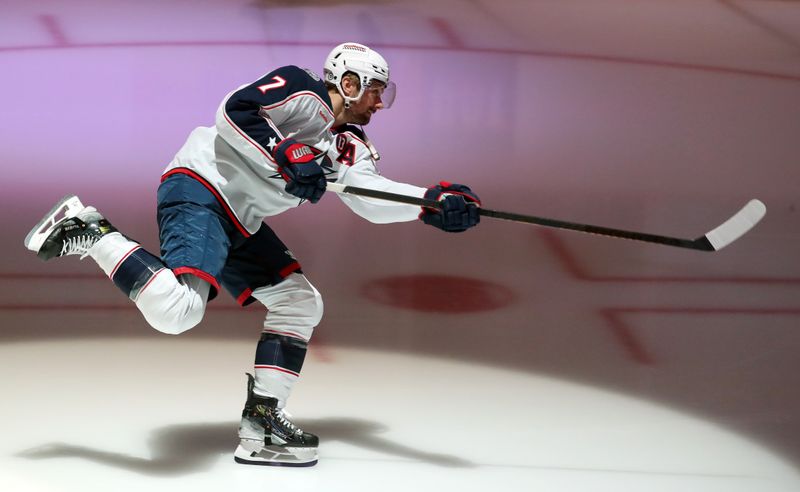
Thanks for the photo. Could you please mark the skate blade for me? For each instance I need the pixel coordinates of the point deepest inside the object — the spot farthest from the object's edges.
(276, 456)
(69, 206)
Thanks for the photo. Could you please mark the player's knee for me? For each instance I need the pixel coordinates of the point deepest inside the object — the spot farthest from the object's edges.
(176, 320)
(293, 302)
(302, 302)
(174, 307)
(313, 307)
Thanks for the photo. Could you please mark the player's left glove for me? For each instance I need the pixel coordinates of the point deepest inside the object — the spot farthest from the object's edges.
(297, 163)
(459, 209)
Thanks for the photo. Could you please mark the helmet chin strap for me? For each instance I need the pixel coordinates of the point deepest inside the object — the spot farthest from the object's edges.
(350, 100)
(372, 150)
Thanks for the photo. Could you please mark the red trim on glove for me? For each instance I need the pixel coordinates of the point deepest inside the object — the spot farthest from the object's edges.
(467, 198)
(278, 145)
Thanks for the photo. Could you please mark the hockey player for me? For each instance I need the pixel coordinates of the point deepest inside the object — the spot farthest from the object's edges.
(275, 144)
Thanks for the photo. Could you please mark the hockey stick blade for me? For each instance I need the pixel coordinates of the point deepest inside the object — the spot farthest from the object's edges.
(732, 229)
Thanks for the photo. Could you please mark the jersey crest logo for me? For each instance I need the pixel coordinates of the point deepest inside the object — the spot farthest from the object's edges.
(346, 149)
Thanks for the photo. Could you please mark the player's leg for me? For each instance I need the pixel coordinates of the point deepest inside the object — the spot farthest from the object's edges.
(267, 435)
(169, 303)
(294, 308)
(195, 235)
(172, 301)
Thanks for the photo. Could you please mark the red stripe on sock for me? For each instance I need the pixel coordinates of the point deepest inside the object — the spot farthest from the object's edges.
(124, 257)
(288, 334)
(276, 368)
(149, 282)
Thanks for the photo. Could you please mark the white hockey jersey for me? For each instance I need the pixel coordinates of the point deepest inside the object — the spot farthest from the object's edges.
(234, 157)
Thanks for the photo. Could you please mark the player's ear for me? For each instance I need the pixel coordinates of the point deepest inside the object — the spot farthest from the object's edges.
(350, 85)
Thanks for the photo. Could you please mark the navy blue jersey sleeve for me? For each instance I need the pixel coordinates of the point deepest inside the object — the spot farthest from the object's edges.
(247, 108)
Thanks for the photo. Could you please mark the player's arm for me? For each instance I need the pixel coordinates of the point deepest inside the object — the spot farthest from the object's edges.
(249, 120)
(243, 122)
(459, 204)
(364, 175)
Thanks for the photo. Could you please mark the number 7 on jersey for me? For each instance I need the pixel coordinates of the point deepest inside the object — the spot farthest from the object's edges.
(279, 82)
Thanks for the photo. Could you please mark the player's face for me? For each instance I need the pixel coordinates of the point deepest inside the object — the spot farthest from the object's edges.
(362, 110)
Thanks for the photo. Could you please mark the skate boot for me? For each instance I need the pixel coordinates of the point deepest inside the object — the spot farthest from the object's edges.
(268, 437)
(68, 229)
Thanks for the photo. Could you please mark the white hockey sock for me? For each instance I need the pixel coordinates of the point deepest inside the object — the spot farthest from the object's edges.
(294, 309)
(274, 384)
(169, 304)
(110, 249)
(173, 305)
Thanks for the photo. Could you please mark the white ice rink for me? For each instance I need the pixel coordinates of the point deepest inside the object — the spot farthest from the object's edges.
(454, 426)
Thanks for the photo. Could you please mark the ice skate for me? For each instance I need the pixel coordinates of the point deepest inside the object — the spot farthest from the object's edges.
(68, 229)
(268, 437)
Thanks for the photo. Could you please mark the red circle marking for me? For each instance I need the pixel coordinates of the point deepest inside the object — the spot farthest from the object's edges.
(438, 293)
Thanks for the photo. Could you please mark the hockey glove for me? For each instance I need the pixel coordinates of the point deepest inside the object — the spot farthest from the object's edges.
(459, 209)
(297, 163)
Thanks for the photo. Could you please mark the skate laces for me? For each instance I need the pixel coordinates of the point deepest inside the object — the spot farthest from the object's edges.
(78, 245)
(283, 416)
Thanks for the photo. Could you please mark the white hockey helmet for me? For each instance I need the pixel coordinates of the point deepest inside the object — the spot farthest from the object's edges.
(366, 63)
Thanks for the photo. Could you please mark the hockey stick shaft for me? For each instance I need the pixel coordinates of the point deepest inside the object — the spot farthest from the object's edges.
(728, 232)
(599, 230)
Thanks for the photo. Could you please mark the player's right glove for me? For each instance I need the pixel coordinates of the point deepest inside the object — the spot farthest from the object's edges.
(297, 163)
(459, 209)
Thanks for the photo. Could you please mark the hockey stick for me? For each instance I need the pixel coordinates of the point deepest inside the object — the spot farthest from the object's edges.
(715, 240)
